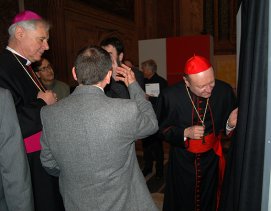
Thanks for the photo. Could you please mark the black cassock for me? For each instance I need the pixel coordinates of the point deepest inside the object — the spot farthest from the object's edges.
(14, 78)
(175, 112)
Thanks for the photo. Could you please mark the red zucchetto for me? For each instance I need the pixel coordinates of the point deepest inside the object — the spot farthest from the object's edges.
(196, 64)
(26, 15)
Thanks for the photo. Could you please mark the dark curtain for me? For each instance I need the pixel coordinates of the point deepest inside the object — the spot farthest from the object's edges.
(242, 189)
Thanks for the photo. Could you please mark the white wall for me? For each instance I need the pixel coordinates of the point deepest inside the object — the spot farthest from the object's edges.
(154, 49)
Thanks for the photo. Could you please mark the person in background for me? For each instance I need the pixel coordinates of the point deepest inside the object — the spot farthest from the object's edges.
(153, 145)
(94, 154)
(45, 73)
(193, 115)
(15, 180)
(117, 89)
(28, 39)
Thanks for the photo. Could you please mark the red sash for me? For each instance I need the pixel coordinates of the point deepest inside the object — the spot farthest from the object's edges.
(211, 142)
(32, 143)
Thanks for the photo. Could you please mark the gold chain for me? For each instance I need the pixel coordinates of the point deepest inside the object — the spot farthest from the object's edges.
(202, 120)
(27, 72)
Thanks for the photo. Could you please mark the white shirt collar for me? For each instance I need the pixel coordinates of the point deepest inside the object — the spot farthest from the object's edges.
(99, 87)
(13, 51)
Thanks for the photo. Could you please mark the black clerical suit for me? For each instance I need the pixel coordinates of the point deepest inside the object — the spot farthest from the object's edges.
(153, 145)
(192, 178)
(14, 78)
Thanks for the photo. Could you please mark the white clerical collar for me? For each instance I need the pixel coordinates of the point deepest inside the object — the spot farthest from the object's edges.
(13, 51)
(99, 87)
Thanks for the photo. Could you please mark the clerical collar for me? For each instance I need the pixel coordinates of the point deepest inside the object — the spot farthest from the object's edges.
(15, 52)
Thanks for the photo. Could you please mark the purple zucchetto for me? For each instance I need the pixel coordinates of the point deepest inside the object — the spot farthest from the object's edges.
(26, 16)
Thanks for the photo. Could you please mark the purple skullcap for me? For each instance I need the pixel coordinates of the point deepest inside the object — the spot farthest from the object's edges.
(26, 16)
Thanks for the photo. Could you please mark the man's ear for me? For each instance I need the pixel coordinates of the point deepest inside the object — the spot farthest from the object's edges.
(186, 81)
(108, 77)
(19, 32)
(74, 73)
(121, 57)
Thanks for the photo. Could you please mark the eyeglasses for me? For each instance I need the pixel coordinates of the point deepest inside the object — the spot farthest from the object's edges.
(46, 68)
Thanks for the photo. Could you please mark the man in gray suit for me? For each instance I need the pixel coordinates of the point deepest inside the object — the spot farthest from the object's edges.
(15, 181)
(88, 139)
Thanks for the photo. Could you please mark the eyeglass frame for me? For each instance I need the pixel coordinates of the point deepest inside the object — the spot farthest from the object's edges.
(46, 68)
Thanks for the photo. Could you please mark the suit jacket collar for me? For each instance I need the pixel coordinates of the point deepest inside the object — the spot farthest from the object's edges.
(87, 89)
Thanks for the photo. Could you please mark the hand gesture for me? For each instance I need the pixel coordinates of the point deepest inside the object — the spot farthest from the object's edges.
(232, 121)
(48, 96)
(125, 74)
(194, 132)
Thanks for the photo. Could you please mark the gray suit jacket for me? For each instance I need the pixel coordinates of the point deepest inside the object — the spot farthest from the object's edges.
(15, 181)
(88, 140)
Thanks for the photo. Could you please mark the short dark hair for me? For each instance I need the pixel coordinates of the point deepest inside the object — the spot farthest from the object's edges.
(92, 64)
(115, 42)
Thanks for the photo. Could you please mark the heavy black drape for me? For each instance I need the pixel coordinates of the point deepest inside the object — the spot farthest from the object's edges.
(244, 175)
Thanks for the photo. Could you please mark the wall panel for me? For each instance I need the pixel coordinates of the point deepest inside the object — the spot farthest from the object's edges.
(86, 26)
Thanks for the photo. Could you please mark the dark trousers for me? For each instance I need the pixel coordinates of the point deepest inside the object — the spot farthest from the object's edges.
(45, 187)
(153, 151)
